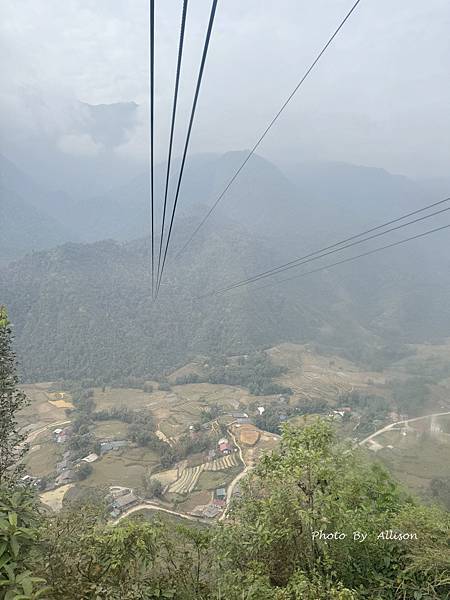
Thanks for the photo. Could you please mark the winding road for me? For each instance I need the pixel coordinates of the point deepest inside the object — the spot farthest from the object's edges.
(153, 506)
(398, 423)
(238, 477)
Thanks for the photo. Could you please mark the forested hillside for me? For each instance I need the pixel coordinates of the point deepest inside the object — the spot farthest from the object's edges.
(91, 304)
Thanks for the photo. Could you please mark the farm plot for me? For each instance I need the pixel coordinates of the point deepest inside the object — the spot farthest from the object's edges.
(314, 376)
(220, 464)
(122, 467)
(188, 480)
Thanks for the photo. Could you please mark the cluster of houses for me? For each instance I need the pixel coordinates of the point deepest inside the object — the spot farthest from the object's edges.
(224, 447)
(66, 468)
(112, 445)
(120, 500)
(214, 508)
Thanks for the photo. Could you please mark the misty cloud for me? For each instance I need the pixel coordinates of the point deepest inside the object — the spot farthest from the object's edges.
(379, 97)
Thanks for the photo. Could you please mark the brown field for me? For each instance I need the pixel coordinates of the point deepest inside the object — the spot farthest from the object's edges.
(54, 498)
(248, 434)
(194, 499)
(42, 409)
(61, 404)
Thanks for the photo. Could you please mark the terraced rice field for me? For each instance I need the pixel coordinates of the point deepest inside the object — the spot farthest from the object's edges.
(220, 464)
(190, 475)
(188, 480)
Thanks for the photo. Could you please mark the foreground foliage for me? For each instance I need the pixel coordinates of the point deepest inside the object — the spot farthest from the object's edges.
(12, 400)
(268, 549)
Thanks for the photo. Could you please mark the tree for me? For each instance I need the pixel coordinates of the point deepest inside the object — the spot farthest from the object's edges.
(153, 488)
(275, 532)
(18, 532)
(12, 400)
(84, 470)
(84, 558)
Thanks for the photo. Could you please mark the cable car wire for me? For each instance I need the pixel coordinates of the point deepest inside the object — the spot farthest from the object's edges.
(346, 260)
(337, 247)
(172, 127)
(266, 131)
(188, 135)
(151, 133)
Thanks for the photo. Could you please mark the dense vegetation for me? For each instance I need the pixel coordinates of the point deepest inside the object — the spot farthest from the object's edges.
(12, 400)
(269, 549)
(254, 371)
(91, 303)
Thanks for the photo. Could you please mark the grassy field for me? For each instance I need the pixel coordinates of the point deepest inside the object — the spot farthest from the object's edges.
(111, 430)
(41, 460)
(418, 457)
(122, 467)
(195, 499)
(210, 480)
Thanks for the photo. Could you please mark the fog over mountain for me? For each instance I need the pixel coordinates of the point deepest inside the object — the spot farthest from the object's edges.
(379, 97)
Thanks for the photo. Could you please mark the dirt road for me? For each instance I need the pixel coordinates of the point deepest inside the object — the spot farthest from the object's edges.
(238, 477)
(152, 506)
(398, 423)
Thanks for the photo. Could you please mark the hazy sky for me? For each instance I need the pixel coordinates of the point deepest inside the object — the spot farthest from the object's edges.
(380, 96)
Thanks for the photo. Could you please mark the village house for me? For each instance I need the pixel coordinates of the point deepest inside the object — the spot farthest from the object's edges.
(114, 445)
(29, 480)
(220, 498)
(90, 458)
(123, 503)
(239, 415)
(220, 493)
(224, 446)
(62, 435)
(243, 420)
(218, 503)
(65, 477)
